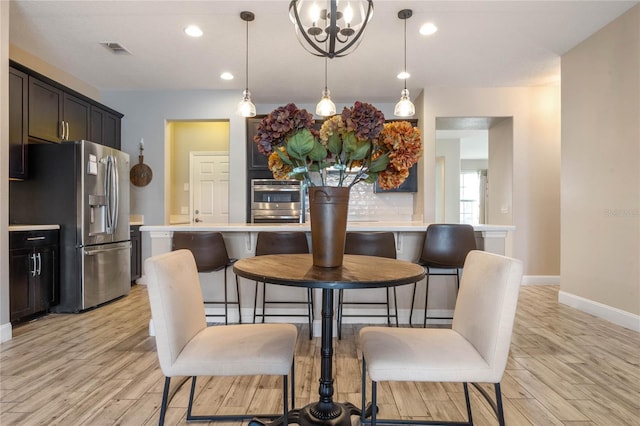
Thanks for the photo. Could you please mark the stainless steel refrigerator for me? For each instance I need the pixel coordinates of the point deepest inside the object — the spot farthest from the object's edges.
(83, 187)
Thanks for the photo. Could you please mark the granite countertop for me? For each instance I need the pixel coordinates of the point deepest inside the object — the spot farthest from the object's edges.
(15, 228)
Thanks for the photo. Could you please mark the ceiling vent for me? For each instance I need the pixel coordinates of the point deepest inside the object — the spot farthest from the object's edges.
(116, 48)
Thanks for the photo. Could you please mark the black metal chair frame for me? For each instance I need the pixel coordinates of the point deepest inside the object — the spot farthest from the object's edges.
(373, 420)
(263, 314)
(168, 395)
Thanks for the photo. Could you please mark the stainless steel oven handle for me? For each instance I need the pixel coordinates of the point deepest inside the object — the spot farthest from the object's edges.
(275, 217)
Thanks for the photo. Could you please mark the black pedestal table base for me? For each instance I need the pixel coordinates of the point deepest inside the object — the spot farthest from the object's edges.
(336, 414)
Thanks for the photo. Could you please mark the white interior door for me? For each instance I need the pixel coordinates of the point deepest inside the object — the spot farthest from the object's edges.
(209, 177)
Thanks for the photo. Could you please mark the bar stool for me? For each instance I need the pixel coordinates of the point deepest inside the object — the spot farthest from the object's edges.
(282, 242)
(445, 247)
(210, 253)
(381, 244)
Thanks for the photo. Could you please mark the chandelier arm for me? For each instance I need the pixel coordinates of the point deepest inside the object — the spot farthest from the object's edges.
(304, 34)
(356, 36)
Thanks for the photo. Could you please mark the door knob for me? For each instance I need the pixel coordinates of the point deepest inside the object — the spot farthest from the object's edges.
(198, 220)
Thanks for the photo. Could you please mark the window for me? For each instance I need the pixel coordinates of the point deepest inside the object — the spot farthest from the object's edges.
(471, 203)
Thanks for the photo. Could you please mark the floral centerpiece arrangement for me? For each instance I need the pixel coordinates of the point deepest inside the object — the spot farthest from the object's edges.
(357, 144)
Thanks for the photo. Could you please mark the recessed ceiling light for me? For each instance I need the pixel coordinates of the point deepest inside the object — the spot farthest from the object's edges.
(428, 28)
(404, 75)
(193, 31)
(226, 76)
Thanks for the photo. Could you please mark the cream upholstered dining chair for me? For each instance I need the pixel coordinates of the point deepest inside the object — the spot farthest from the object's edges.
(188, 348)
(474, 350)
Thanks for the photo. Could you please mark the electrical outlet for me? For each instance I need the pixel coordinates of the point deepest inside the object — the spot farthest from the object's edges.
(184, 210)
(186, 187)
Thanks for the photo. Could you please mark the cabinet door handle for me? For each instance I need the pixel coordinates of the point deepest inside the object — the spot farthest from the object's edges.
(35, 238)
(32, 257)
(66, 124)
(61, 130)
(39, 264)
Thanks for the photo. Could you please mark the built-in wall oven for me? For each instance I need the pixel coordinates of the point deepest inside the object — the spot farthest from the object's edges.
(276, 201)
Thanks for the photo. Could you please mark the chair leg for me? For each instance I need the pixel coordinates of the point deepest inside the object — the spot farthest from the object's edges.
(255, 302)
(388, 308)
(293, 384)
(238, 299)
(264, 300)
(339, 321)
(165, 400)
(191, 393)
(226, 300)
(285, 399)
(374, 403)
(468, 402)
(395, 306)
(500, 409)
(363, 386)
(426, 299)
(413, 299)
(310, 311)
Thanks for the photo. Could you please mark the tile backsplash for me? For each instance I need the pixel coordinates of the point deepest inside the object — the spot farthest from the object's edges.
(365, 205)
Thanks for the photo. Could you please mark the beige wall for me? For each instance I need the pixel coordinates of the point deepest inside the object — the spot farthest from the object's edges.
(188, 136)
(500, 175)
(536, 162)
(601, 166)
(28, 60)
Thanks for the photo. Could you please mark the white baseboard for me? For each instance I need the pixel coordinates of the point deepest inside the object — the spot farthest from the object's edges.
(541, 280)
(5, 332)
(609, 313)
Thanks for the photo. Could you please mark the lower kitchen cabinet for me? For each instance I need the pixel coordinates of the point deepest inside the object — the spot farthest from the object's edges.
(136, 252)
(33, 273)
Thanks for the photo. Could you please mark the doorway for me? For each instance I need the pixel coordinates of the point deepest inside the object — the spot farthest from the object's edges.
(184, 137)
(474, 170)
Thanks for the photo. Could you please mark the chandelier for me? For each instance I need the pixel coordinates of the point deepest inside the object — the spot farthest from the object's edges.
(332, 30)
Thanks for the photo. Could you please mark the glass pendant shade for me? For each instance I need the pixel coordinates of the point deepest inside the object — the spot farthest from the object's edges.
(330, 28)
(404, 108)
(246, 108)
(325, 107)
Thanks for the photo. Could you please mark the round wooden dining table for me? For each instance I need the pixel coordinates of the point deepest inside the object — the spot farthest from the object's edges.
(297, 270)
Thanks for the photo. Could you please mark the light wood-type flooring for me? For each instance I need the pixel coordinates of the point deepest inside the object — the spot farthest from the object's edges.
(100, 368)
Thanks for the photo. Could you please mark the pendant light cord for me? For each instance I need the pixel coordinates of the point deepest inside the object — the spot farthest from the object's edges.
(247, 57)
(325, 73)
(405, 52)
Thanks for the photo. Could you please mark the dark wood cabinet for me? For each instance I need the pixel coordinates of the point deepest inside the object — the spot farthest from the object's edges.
(45, 111)
(255, 159)
(136, 252)
(105, 127)
(75, 118)
(33, 273)
(18, 122)
(55, 115)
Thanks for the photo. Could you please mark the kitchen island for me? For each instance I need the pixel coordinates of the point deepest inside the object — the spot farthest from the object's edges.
(240, 239)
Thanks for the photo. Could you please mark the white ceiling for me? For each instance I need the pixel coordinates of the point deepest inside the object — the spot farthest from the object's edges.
(479, 44)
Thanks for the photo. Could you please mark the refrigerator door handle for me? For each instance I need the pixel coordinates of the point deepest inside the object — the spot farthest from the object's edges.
(116, 193)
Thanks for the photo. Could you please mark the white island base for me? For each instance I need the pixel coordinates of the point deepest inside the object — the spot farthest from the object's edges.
(241, 241)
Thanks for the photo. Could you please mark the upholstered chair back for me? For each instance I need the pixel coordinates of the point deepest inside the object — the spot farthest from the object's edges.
(486, 306)
(177, 307)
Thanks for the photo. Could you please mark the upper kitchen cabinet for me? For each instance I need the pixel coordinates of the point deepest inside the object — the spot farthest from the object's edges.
(18, 121)
(105, 127)
(255, 159)
(55, 115)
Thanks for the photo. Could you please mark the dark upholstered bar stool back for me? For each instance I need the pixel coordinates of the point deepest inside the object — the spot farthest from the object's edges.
(282, 242)
(445, 247)
(381, 244)
(210, 253)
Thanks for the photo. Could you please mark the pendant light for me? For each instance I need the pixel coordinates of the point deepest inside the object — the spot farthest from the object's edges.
(325, 107)
(246, 108)
(405, 108)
